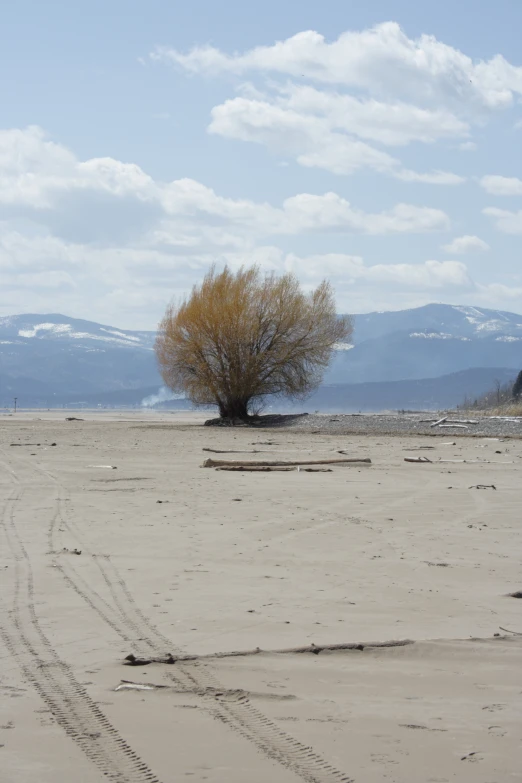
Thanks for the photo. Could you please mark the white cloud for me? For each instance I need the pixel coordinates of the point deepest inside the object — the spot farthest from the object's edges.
(498, 292)
(507, 222)
(382, 59)
(319, 140)
(182, 214)
(350, 270)
(502, 186)
(431, 177)
(50, 279)
(104, 240)
(333, 212)
(466, 244)
(390, 123)
(334, 104)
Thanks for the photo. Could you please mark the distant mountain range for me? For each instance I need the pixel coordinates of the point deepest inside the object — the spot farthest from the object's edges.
(428, 342)
(48, 360)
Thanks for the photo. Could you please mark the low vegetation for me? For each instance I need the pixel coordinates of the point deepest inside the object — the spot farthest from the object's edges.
(504, 399)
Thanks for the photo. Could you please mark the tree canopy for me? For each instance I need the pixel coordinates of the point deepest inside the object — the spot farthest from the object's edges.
(242, 336)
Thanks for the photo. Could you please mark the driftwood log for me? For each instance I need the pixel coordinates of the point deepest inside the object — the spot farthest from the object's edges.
(255, 468)
(439, 422)
(221, 463)
(239, 451)
(315, 649)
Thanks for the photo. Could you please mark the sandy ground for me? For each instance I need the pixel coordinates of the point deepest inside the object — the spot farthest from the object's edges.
(239, 561)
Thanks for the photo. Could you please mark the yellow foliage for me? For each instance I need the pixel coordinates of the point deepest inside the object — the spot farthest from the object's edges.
(240, 337)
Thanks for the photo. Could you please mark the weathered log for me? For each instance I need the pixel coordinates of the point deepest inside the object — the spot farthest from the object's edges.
(218, 463)
(254, 468)
(439, 422)
(233, 451)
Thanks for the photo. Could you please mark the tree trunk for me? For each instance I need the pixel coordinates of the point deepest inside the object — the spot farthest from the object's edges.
(236, 408)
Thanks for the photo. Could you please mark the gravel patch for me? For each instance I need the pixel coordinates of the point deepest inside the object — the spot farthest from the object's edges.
(402, 424)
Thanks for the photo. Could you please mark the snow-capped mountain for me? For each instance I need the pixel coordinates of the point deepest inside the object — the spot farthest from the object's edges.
(427, 342)
(50, 359)
(17, 329)
(452, 321)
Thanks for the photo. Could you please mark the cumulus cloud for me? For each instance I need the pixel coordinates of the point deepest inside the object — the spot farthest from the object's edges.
(352, 269)
(502, 186)
(382, 59)
(103, 239)
(334, 104)
(497, 292)
(392, 123)
(331, 132)
(331, 212)
(466, 244)
(507, 222)
(182, 214)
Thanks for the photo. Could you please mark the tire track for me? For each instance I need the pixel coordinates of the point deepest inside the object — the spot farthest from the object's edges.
(125, 618)
(54, 681)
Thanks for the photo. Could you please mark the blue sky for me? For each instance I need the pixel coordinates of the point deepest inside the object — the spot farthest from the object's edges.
(377, 143)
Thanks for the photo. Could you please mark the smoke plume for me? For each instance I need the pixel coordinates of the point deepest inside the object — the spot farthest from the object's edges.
(163, 395)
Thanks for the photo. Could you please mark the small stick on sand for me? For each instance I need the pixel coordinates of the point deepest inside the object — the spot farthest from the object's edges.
(423, 460)
(131, 659)
(235, 451)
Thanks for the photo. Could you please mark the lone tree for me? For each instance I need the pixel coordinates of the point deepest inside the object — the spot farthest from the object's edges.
(241, 337)
(517, 387)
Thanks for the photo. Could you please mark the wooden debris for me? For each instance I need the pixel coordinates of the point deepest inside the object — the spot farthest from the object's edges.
(418, 459)
(454, 426)
(359, 459)
(315, 649)
(483, 486)
(446, 422)
(255, 468)
(234, 451)
(219, 463)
